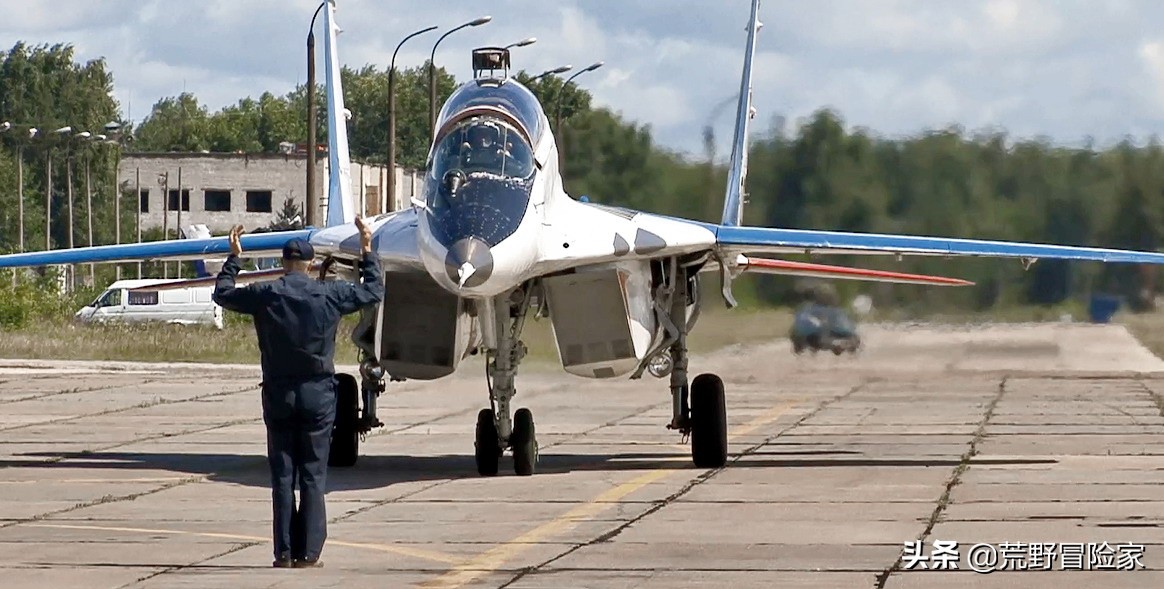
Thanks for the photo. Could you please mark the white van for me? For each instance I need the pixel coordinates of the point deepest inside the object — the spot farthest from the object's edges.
(185, 306)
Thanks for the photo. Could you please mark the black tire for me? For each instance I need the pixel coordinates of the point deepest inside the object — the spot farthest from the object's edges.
(345, 434)
(797, 346)
(524, 442)
(487, 452)
(708, 422)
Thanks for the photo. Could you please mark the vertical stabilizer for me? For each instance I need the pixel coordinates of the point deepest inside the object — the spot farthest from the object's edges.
(340, 205)
(733, 205)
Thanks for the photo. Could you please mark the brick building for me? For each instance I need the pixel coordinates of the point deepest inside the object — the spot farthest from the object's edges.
(224, 189)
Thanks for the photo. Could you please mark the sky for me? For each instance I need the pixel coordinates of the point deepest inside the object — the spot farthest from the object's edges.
(1063, 70)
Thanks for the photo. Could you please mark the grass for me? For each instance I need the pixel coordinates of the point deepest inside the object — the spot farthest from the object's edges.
(1146, 327)
(237, 344)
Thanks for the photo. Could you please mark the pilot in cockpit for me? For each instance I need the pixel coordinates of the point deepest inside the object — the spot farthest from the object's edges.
(482, 149)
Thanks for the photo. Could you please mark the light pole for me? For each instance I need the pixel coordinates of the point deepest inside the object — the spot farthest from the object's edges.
(312, 203)
(558, 70)
(561, 137)
(562, 92)
(390, 190)
(113, 136)
(4, 127)
(48, 190)
(522, 43)
(432, 71)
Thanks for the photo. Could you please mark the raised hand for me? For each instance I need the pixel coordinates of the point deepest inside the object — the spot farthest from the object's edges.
(365, 235)
(235, 243)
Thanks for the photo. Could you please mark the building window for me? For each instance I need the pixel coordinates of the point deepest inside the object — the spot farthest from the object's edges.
(143, 297)
(218, 201)
(259, 201)
(143, 199)
(173, 204)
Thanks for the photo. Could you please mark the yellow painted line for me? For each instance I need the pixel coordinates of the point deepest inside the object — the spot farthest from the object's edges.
(400, 550)
(86, 481)
(493, 559)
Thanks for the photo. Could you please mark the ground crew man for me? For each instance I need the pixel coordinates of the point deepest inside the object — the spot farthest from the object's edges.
(296, 318)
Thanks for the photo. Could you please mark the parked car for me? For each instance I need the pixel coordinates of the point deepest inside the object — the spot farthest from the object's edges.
(184, 306)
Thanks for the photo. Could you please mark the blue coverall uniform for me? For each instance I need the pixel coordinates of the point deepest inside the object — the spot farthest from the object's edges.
(296, 318)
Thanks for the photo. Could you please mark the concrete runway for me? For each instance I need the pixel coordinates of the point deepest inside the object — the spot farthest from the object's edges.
(120, 475)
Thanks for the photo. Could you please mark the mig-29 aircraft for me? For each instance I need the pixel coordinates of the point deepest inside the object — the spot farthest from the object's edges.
(495, 239)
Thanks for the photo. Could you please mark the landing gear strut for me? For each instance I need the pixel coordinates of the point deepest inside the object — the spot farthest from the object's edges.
(350, 421)
(699, 409)
(501, 320)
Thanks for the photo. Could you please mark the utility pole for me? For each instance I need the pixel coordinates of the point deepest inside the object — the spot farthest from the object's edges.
(137, 176)
(312, 199)
(69, 191)
(165, 179)
(117, 206)
(48, 199)
(20, 191)
(391, 184)
(181, 202)
(89, 216)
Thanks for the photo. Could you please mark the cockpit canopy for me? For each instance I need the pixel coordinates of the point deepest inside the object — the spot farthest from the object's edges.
(483, 144)
(507, 95)
(479, 181)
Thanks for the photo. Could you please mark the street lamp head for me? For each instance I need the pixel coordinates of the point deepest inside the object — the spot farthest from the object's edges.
(523, 42)
(594, 66)
(480, 21)
(63, 130)
(112, 126)
(100, 137)
(558, 70)
(84, 134)
(32, 132)
(5, 126)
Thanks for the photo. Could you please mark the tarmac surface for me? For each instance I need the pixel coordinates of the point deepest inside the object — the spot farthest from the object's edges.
(1039, 442)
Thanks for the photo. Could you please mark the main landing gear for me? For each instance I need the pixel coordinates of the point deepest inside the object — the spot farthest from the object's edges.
(350, 423)
(501, 320)
(699, 408)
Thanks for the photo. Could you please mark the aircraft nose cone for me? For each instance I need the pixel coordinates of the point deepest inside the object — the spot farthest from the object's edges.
(469, 262)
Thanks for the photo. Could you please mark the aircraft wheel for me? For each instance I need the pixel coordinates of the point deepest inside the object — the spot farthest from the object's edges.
(708, 422)
(487, 452)
(345, 434)
(524, 443)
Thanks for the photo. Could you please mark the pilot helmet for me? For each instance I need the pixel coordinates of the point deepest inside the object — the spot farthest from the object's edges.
(483, 134)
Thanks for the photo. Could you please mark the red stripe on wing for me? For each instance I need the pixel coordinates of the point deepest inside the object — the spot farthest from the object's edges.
(768, 266)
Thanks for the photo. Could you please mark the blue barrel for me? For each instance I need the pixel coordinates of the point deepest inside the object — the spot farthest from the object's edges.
(1102, 307)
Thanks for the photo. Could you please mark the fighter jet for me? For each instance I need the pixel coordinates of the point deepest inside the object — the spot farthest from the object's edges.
(495, 240)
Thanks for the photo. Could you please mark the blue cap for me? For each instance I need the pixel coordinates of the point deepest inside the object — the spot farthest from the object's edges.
(298, 249)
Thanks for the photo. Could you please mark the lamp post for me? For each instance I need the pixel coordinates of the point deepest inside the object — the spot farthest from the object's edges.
(558, 70)
(48, 191)
(113, 136)
(4, 127)
(558, 114)
(312, 203)
(432, 71)
(390, 190)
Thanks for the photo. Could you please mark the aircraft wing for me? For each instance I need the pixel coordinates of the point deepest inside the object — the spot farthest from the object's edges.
(732, 240)
(255, 245)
